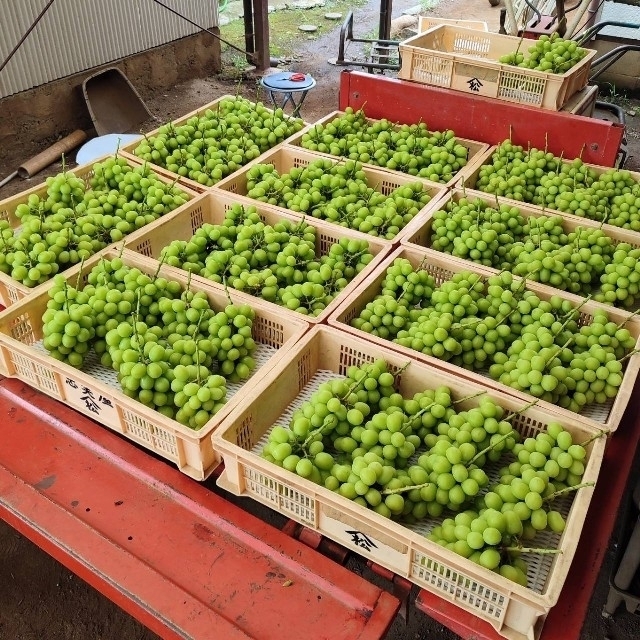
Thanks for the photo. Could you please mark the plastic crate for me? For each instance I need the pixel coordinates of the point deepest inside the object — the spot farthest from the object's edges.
(285, 158)
(476, 155)
(129, 149)
(12, 291)
(211, 208)
(514, 611)
(422, 236)
(442, 267)
(471, 180)
(467, 60)
(428, 22)
(95, 391)
(583, 102)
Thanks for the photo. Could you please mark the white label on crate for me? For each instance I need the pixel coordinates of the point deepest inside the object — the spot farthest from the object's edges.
(364, 539)
(89, 401)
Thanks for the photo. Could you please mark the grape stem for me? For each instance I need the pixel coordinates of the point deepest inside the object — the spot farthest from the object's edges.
(408, 423)
(519, 549)
(354, 386)
(80, 274)
(163, 257)
(388, 492)
(601, 432)
(470, 396)
(66, 295)
(570, 314)
(489, 448)
(533, 403)
(631, 353)
(559, 351)
(635, 313)
(398, 373)
(136, 318)
(314, 432)
(575, 487)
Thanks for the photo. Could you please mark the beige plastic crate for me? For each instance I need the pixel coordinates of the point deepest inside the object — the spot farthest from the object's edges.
(95, 391)
(442, 267)
(428, 22)
(11, 291)
(471, 182)
(128, 150)
(476, 151)
(583, 102)
(514, 611)
(422, 236)
(285, 158)
(211, 208)
(467, 60)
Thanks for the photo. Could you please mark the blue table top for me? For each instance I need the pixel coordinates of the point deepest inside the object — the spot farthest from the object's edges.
(281, 81)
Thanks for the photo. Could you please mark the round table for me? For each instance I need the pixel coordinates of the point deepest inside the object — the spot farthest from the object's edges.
(288, 85)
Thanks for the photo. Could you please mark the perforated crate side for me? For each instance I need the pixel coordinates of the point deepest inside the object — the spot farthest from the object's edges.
(521, 88)
(283, 498)
(457, 587)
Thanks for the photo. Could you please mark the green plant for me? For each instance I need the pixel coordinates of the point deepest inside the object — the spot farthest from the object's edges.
(612, 95)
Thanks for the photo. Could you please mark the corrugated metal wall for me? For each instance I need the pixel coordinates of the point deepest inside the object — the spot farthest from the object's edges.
(75, 35)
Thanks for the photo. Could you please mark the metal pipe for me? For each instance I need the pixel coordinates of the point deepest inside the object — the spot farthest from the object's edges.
(610, 58)
(594, 29)
(508, 5)
(573, 25)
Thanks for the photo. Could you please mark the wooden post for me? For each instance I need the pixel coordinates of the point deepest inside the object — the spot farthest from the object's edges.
(249, 34)
(261, 30)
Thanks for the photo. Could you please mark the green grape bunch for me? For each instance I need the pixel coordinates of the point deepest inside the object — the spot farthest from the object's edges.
(549, 53)
(171, 349)
(215, 143)
(412, 149)
(75, 218)
(278, 262)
